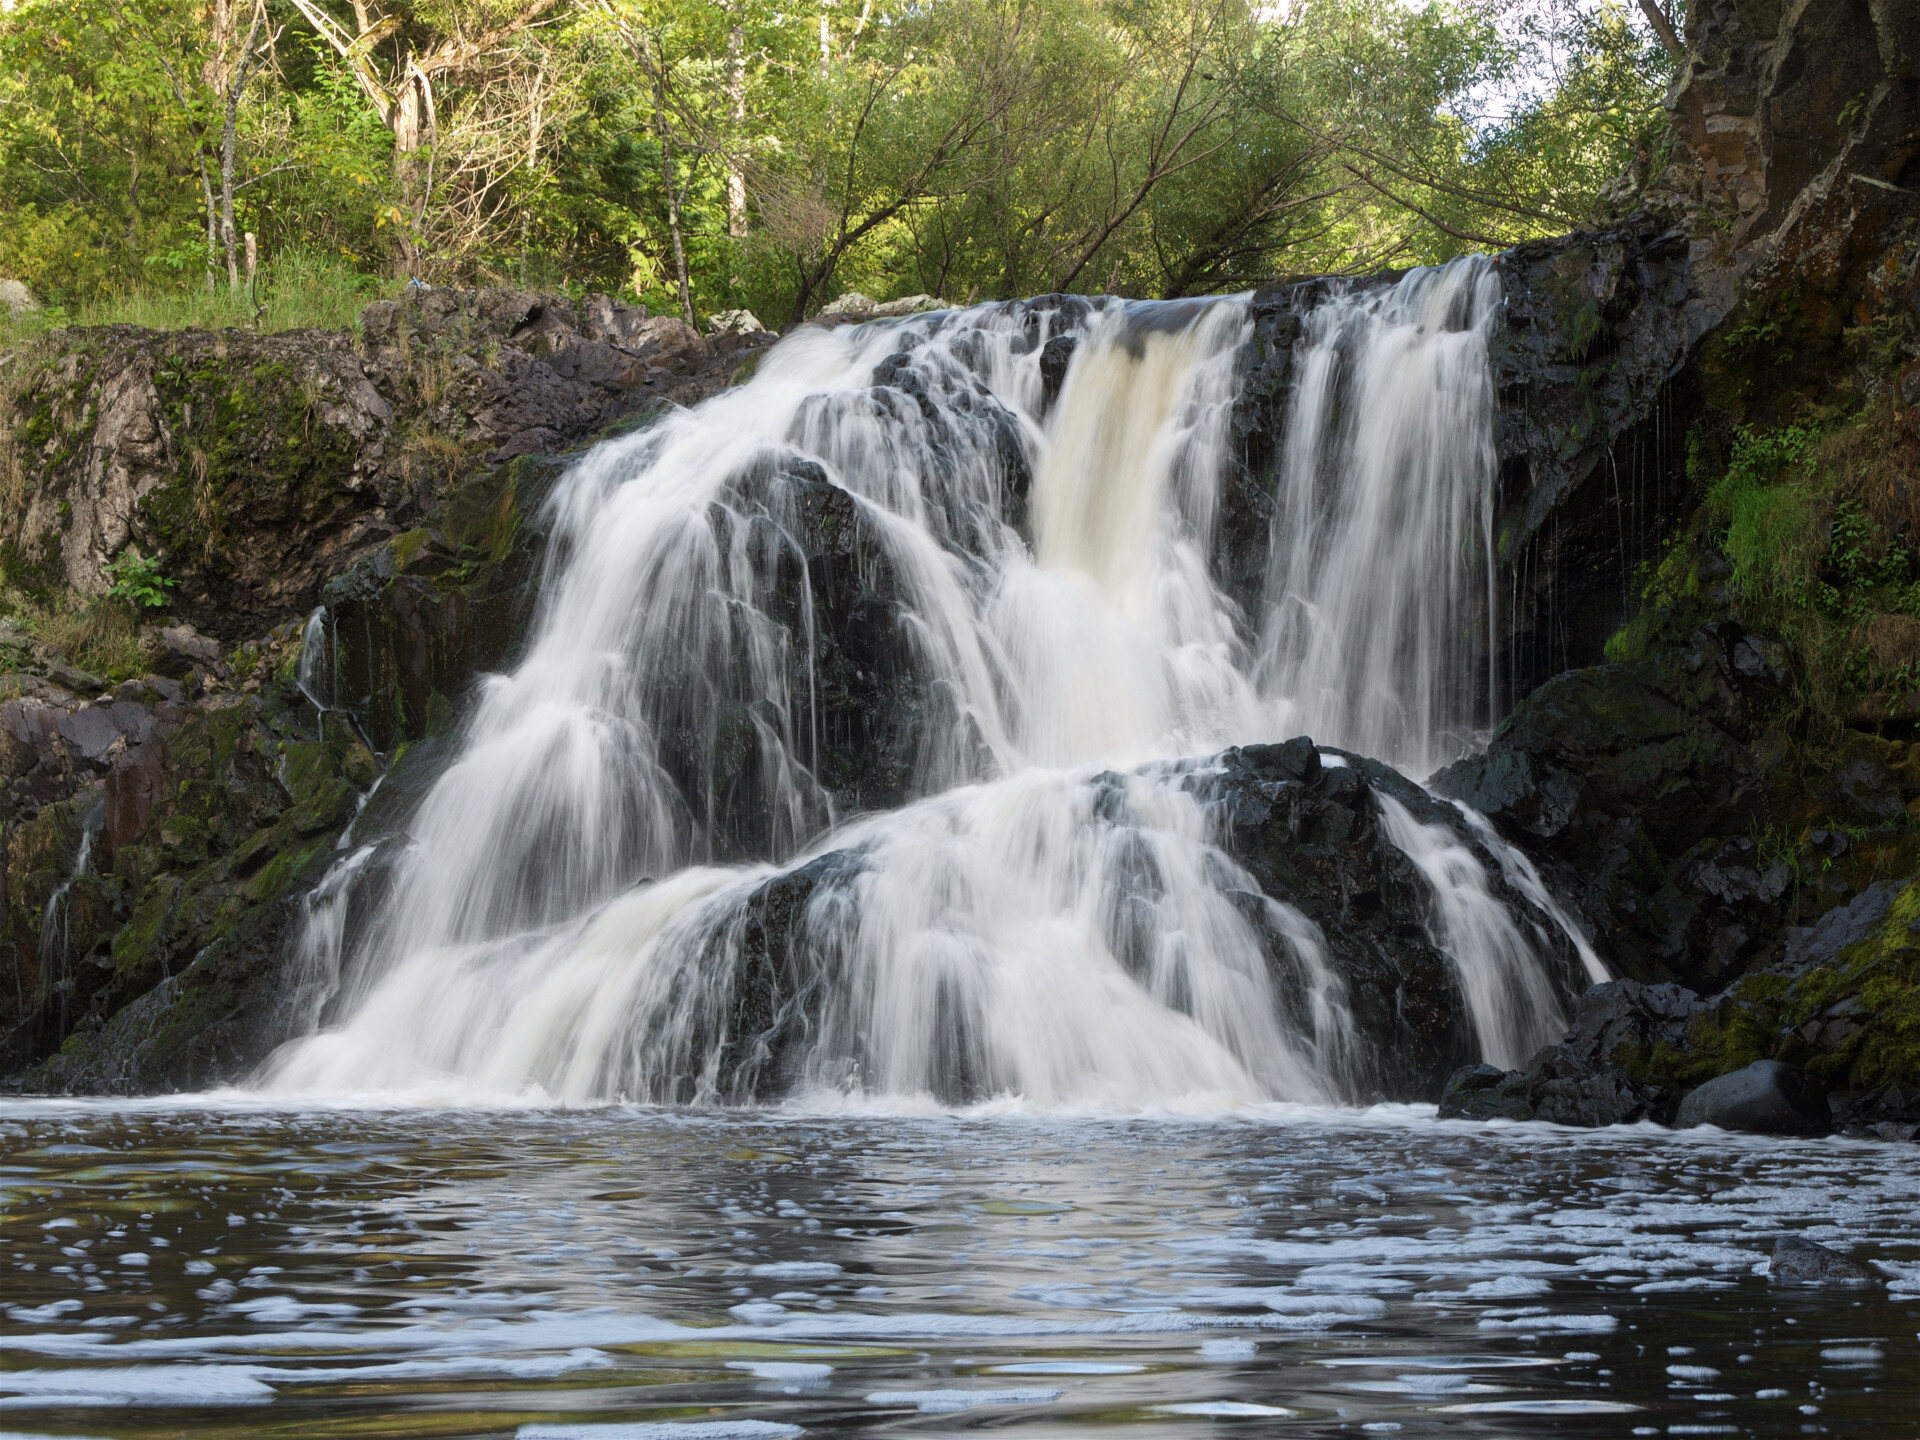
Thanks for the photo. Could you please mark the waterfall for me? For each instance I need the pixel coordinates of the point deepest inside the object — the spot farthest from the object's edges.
(1380, 599)
(314, 678)
(56, 960)
(904, 565)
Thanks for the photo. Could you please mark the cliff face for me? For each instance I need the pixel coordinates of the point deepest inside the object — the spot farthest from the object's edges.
(1713, 825)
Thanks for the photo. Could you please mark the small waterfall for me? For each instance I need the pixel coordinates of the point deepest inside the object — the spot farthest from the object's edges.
(1509, 996)
(318, 665)
(323, 939)
(318, 662)
(633, 882)
(55, 930)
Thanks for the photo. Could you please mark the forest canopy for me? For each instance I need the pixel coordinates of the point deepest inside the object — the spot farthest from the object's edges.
(706, 155)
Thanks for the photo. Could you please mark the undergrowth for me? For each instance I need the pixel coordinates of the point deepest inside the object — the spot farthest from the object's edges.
(100, 635)
(1806, 532)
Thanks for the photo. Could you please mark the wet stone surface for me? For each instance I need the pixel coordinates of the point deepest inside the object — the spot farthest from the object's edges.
(237, 1271)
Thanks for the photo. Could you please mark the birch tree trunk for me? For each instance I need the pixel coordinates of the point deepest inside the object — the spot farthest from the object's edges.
(737, 113)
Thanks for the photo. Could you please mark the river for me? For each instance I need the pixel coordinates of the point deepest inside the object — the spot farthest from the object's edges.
(228, 1267)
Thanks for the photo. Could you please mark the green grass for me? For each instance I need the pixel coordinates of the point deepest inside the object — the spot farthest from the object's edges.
(296, 290)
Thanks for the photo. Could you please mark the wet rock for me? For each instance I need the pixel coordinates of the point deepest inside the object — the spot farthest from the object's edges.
(1055, 356)
(1807, 1262)
(1622, 781)
(1557, 1085)
(1810, 946)
(1765, 1098)
(1624, 1021)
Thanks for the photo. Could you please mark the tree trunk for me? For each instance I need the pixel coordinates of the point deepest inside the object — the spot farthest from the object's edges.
(1663, 27)
(229, 130)
(213, 216)
(226, 203)
(408, 115)
(737, 113)
(673, 191)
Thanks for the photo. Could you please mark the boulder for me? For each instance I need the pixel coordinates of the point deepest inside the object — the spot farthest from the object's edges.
(1765, 1098)
(734, 322)
(612, 321)
(1624, 782)
(1807, 1262)
(856, 308)
(850, 306)
(17, 299)
(1557, 1086)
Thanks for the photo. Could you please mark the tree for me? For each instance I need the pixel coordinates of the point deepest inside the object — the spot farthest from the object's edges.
(429, 47)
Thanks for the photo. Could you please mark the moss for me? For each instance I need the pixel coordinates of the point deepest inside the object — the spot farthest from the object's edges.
(138, 959)
(327, 807)
(405, 546)
(282, 872)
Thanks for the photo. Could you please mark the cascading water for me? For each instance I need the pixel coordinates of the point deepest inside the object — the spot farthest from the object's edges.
(1380, 603)
(1023, 920)
(56, 963)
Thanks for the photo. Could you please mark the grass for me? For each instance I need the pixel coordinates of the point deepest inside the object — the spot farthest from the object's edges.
(100, 636)
(295, 290)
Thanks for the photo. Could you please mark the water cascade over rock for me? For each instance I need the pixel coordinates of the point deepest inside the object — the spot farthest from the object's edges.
(889, 730)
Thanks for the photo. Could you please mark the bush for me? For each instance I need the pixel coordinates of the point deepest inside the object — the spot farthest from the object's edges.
(137, 582)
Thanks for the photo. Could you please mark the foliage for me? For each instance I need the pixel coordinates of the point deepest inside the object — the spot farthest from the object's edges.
(973, 149)
(297, 289)
(137, 581)
(1771, 516)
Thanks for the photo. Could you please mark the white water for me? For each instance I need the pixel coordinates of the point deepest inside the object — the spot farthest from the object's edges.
(1380, 600)
(1020, 931)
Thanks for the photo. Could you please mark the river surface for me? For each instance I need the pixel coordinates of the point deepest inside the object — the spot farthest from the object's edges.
(231, 1269)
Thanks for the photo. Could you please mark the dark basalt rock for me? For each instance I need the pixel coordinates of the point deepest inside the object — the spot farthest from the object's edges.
(1766, 1098)
(1557, 1085)
(1807, 1262)
(1621, 778)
